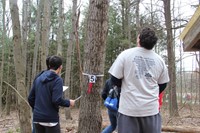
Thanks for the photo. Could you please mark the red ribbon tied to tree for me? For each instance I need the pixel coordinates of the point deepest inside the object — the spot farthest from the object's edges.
(92, 80)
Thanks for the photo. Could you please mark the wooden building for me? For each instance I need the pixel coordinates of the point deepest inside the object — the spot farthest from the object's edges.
(191, 33)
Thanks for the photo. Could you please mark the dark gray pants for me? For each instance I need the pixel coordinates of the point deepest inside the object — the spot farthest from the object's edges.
(149, 124)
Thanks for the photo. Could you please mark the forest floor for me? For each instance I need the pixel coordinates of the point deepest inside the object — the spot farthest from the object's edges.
(188, 116)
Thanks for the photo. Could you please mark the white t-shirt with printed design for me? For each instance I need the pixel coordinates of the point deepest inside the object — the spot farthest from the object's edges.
(141, 71)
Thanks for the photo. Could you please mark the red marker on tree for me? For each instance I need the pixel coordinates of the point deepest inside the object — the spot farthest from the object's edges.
(92, 80)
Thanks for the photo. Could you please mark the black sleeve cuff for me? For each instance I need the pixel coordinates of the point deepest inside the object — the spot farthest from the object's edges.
(162, 87)
(116, 81)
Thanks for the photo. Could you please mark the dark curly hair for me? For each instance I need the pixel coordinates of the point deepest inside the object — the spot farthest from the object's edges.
(147, 38)
(55, 62)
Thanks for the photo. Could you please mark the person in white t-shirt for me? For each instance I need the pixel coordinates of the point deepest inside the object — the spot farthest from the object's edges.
(144, 76)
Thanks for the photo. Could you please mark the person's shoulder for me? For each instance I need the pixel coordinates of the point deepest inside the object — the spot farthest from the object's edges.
(127, 52)
(159, 57)
(58, 79)
(51, 75)
(39, 74)
(130, 49)
(160, 60)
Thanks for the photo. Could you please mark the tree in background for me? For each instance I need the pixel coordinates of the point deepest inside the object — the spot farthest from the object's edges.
(7, 96)
(2, 54)
(37, 41)
(20, 69)
(45, 32)
(60, 28)
(70, 50)
(173, 107)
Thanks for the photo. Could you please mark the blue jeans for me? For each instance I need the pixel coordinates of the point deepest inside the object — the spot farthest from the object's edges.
(113, 122)
(33, 128)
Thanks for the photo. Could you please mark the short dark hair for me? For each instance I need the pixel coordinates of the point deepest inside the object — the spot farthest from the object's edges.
(55, 62)
(147, 38)
(47, 62)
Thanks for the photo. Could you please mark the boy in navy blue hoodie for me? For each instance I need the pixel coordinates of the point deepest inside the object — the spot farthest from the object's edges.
(46, 96)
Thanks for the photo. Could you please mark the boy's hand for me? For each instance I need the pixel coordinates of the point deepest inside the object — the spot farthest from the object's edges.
(72, 102)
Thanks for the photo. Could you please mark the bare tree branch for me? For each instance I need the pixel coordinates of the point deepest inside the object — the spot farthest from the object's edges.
(17, 92)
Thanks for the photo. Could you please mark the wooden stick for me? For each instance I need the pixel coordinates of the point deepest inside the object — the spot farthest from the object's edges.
(17, 93)
(181, 129)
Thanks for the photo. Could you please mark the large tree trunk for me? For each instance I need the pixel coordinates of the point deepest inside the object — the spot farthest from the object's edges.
(173, 107)
(90, 119)
(19, 59)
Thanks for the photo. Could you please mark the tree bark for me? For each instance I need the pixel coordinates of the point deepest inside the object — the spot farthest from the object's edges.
(60, 28)
(2, 55)
(9, 79)
(19, 59)
(173, 107)
(45, 32)
(137, 14)
(90, 119)
(125, 18)
(25, 18)
(199, 77)
(25, 31)
(37, 38)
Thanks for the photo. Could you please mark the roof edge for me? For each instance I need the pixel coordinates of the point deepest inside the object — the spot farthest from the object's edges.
(190, 23)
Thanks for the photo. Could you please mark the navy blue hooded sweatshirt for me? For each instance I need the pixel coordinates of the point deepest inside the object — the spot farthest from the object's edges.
(46, 96)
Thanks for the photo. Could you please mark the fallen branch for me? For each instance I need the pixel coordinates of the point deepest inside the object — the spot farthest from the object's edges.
(17, 92)
(175, 113)
(181, 129)
(177, 129)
